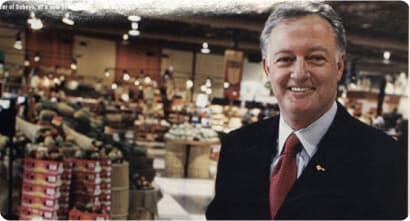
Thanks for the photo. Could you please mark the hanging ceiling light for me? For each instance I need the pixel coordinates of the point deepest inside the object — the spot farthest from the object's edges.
(226, 85)
(386, 57)
(67, 19)
(205, 49)
(35, 23)
(37, 57)
(26, 61)
(125, 37)
(134, 25)
(18, 44)
(208, 82)
(107, 73)
(147, 80)
(135, 18)
(134, 32)
(73, 64)
(189, 84)
(125, 75)
(114, 86)
(137, 82)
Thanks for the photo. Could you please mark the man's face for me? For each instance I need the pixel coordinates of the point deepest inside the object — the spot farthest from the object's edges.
(303, 66)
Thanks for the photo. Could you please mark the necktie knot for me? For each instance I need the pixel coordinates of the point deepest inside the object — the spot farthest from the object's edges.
(292, 145)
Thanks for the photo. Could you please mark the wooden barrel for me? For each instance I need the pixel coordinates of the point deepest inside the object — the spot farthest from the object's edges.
(199, 161)
(174, 159)
(119, 217)
(119, 191)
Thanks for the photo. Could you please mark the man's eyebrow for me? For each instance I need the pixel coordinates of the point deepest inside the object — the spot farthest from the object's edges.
(318, 48)
(283, 51)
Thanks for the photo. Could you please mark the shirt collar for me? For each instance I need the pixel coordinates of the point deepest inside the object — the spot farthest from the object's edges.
(309, 136)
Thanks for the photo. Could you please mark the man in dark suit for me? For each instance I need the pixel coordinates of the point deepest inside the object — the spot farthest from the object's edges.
(313, 161)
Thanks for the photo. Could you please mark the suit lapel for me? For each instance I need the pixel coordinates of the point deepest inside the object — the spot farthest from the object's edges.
(321, 169)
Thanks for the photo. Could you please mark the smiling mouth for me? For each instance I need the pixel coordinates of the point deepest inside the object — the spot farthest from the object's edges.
(300, 89)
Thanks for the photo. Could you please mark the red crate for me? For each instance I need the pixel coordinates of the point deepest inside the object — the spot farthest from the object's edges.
(42, 203)
(40, 191)
(29, 213)
(76, 214)
(43, 179)
(43, 166)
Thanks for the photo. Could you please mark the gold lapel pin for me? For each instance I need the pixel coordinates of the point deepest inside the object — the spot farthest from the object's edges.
(320, 168)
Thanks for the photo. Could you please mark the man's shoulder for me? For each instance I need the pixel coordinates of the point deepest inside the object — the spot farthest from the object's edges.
(254, 131)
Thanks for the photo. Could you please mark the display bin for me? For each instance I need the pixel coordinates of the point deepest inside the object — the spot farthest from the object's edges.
(188, 158)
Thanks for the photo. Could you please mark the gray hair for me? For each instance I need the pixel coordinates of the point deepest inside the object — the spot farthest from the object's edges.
(288, 10)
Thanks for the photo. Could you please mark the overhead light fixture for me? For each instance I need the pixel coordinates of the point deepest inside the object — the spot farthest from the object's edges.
(205, 49)
(134, 32)
(74, 64)
(203, 88)
(208, 82)
(147, 80)
(35, 23)
(136, 82)
(26, 61)
(114, 86)
(107, 73)
(386, 57)
(67, 19)
(37, 57)
(226, 85)
(134, 18)
(18, 44)
(125, 75)
(189, 84)
(125, 37)
(134, 25)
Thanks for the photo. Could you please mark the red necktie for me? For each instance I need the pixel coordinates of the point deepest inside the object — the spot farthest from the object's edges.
(284, 174)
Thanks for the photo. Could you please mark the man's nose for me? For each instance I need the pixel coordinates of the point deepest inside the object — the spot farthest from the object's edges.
(300, 70)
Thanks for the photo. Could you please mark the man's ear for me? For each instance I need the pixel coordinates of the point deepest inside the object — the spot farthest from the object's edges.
(265, 67)
(340, 67)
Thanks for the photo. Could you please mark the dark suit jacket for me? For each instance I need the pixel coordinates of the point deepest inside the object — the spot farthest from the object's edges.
(365, 175)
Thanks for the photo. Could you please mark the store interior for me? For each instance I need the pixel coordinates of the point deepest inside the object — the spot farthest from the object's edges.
(116, 110)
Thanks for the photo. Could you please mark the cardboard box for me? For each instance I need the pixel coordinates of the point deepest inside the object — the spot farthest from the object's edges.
(41, 203)
(40, 191)
(94, 177)
(43, 166)
(87, 165)
(43, 179)
(75, 214)
(29, 213)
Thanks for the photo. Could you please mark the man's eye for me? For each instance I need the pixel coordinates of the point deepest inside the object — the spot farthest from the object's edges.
(284, 60)
(317, 59)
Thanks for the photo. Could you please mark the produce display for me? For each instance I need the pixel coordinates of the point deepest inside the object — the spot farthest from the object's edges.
(150, 129)
(188, 132)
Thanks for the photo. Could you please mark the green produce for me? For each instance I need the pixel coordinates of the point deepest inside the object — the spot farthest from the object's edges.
(65, 110)
(115, 155)
(47, 115)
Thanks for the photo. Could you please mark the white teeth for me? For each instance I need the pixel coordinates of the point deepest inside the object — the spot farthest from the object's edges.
(299, 89)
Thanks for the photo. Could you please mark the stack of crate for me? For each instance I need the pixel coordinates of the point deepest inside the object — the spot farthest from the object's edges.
(89, 192)
(41, 189)
(64, 199)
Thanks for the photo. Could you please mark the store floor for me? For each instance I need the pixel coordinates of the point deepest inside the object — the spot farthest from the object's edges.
(183, 198)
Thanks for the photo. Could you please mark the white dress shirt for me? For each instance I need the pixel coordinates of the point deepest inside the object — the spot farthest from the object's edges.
(309, 137)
